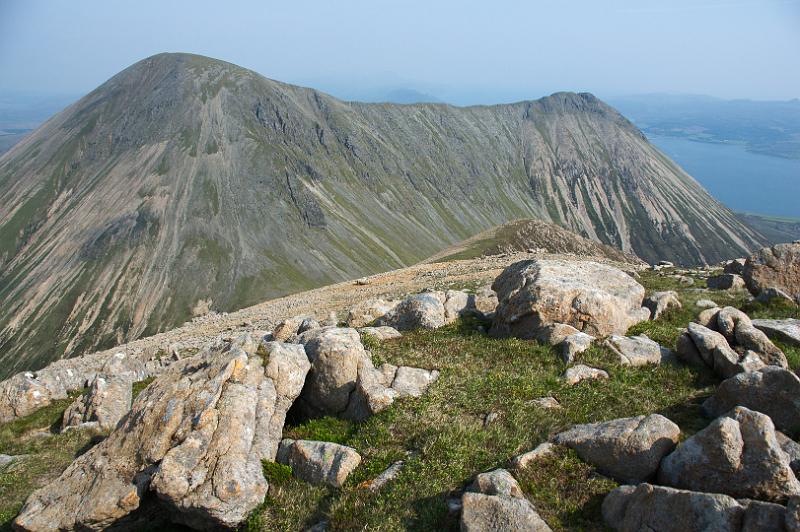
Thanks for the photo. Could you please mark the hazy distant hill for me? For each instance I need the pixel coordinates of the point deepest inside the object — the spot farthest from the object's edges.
(184, 179)
(768, 127)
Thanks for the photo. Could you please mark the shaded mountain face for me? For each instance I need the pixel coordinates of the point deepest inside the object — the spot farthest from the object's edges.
(184, 179)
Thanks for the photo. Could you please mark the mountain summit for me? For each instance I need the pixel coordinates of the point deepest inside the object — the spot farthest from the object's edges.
(186, 182)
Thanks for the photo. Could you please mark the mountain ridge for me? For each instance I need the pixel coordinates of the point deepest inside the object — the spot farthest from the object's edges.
(184, 179)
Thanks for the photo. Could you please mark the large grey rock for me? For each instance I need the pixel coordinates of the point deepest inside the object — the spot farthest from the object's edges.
(318, 462)
(717, 354)
(495, 502)
(194, 440)
(776, 267)
(421, 311)
(787, 330)
(594, 298)
(366, 312)
(726, 281)
(660, 302)
(636, 350)
(659, 508)
(735, 266)
(771, 391)
(737, 454)
(336, 354)
(768, 295)
(106, 401)
(627, 449)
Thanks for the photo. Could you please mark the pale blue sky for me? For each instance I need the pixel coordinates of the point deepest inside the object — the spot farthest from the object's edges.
(460, 50)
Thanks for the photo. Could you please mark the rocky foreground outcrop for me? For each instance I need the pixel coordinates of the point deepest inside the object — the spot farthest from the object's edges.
(776, 267)
(594, 298)
(663, 509)
(191, 446)
(26, 392)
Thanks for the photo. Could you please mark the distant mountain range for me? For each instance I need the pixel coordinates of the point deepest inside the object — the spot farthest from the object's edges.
(186, 182)
(767, 127)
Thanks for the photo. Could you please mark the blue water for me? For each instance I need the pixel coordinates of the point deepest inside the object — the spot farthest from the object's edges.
(741, 180)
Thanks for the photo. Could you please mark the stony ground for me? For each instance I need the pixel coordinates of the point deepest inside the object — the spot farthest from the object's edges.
(476, 417)
(338, 298)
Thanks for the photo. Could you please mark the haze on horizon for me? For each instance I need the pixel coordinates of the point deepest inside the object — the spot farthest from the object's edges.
(462, 52)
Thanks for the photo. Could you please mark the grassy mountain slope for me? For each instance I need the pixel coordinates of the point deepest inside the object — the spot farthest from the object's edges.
(523, 235)
(184, 179)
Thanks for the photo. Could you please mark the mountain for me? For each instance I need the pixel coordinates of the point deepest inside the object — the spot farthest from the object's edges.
(523, 235)
(184, 183)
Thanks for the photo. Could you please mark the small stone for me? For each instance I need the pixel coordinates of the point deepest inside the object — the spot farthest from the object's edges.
(660, 302)
(636, 350)
(546, 402)
(574, 344)
(705, 303)
(580, 372)
(318, 462)
(524, 460)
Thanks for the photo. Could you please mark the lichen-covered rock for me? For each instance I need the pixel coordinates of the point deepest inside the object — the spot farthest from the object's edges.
(627, 449)
(737, 454)
(336, 354)
(318, 462)
(24, 393)
(637, 350)
(659, 508)
(581, 372)
(660, 302)
(772, 391)
(421, 311)
(194, 439)
(594, 298)
(774, 267)
(106, 401)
